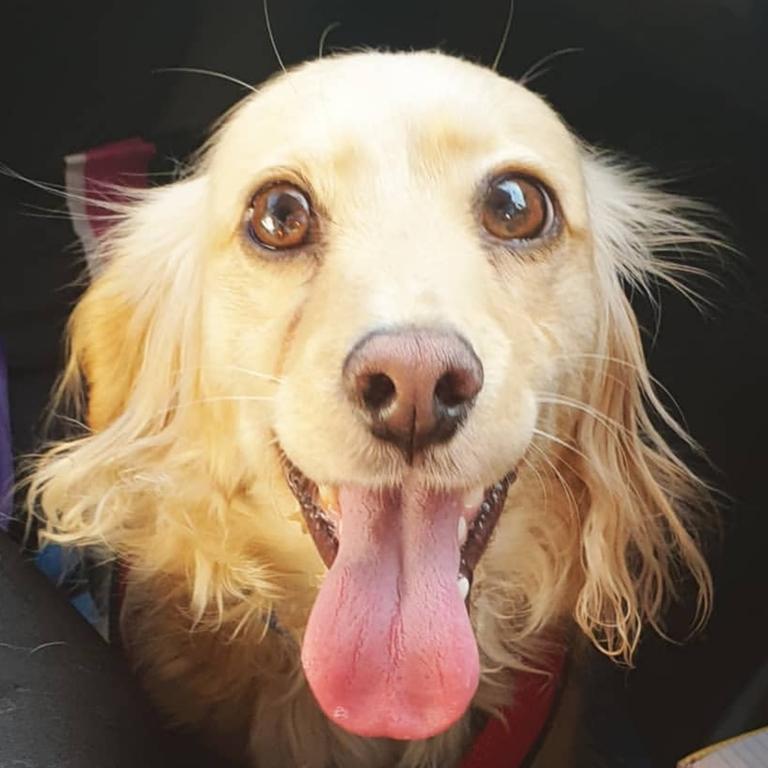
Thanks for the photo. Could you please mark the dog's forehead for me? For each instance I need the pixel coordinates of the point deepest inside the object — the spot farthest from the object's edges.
(346, 114)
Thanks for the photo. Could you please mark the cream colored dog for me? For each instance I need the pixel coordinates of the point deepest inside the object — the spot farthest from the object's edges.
(382, 317)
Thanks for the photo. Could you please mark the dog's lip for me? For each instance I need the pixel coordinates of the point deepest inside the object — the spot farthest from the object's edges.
(476, 526)
(322, 528)
(483, 524)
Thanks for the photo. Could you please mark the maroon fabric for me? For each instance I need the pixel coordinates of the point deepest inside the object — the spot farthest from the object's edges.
(100, 176)
(125, 164)
(506, 743)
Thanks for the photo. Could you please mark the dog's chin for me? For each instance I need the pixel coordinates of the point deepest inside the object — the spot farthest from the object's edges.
(389, 650)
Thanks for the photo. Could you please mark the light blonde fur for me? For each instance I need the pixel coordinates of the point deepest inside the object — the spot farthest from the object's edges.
(201, 360)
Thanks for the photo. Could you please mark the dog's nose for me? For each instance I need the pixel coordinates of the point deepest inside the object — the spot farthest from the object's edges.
(413, 386)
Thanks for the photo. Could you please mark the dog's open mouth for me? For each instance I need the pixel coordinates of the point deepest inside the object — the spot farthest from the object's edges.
(389, 649)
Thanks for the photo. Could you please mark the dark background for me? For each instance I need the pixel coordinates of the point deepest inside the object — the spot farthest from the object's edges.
(679, 85)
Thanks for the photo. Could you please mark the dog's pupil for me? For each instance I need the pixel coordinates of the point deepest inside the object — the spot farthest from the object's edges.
(508, 199)
(287, 211)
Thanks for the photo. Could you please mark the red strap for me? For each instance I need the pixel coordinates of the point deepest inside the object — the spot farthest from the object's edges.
(505, 744)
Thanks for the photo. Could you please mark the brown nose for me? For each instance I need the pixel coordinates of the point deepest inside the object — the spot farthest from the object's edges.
(414, 386)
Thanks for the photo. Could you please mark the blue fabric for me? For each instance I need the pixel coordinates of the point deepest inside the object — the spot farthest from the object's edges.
(68, 570)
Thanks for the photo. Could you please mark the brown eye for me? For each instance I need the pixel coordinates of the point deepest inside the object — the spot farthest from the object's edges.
(280, 217)
(516, 208)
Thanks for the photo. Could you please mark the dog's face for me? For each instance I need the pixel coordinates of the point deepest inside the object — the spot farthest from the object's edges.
(406, 250)
(386, 275)
(439, 197)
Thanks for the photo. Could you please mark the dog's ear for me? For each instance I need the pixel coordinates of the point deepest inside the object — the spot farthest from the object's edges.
(155, 479)
(134, 338)
(643, 502)
(128, 331)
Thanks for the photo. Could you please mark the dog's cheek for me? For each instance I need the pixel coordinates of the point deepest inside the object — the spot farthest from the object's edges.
(249, 316)
(562, 303)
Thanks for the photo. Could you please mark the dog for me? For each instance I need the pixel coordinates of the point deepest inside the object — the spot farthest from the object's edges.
(370, 426)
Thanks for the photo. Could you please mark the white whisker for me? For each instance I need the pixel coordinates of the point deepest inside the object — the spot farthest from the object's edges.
(628, 364)
(324, 36)
(535, 70)
(554, 399)
(225, 398)
(227, 367)
(528, 463)
(57, 190)
(572, 504)
(256, 374)
(570, 446)
(209, 73)
(214, 399)
(271, 35)
(504, 36)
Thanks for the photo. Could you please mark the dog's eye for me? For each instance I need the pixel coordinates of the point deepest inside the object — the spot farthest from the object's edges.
(516, 208)
(280, 216)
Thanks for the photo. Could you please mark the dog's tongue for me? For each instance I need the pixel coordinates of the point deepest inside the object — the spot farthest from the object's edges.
(388, 649)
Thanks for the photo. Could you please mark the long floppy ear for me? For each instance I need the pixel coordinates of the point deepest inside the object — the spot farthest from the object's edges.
(643, 503)
(131, 337)
(133, 315)
(157, 478)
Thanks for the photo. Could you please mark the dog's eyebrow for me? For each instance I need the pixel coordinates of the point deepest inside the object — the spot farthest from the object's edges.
(442, 137)
(341, 160)
(345, 158)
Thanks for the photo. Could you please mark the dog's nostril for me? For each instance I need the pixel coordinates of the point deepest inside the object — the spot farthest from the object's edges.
(455, 388)
(378, 391)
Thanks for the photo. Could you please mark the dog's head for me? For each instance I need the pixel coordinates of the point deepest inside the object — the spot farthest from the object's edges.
(383, 318)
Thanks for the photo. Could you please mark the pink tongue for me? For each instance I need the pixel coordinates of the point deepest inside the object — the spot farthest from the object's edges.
(389, 650)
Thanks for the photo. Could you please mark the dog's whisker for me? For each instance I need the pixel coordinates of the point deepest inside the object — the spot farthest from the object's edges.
(48, 216)
(535, 70)
(117, 208)
(271, 35)
(567, 402)
(256, 374)
(595, 356)
(228, 398)
(213, 399)
(528, 463)
(324, 36)
(625, 364)
(571, 499)
(240, 369)
(208, 73)
(504, 36)
(71, 421)
(559, 441)
(567, 464)
(41, 212)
